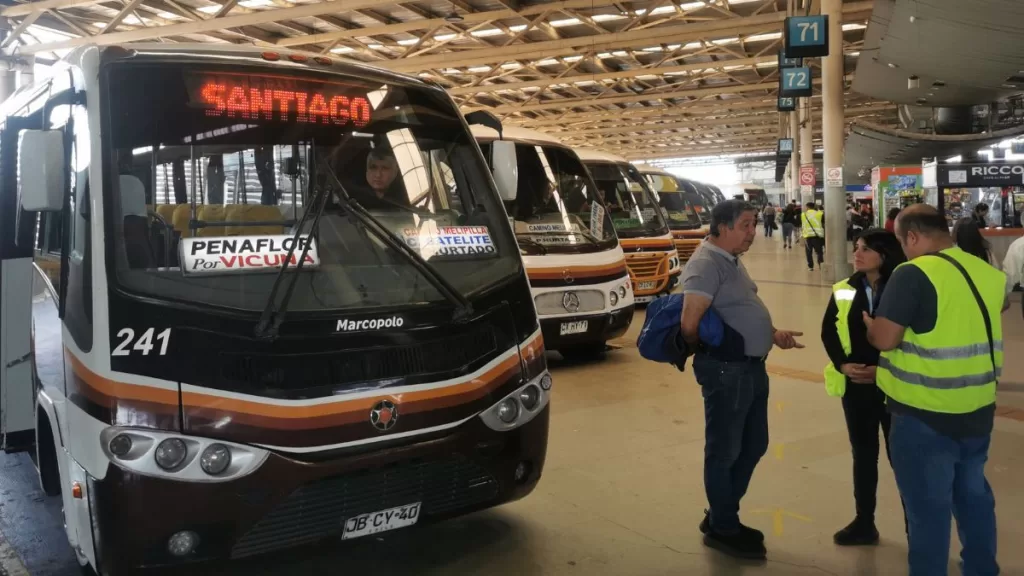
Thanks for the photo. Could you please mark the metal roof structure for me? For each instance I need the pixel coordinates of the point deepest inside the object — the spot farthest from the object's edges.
(646, 79)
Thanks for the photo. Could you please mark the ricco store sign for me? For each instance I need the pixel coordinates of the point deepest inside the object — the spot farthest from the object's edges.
(991, 174)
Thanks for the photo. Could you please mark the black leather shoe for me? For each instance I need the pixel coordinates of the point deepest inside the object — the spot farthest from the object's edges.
(757, 535)
(857, 533)
(739, 545)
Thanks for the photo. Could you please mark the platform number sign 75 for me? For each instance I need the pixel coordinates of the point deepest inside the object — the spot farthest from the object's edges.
(144, 344)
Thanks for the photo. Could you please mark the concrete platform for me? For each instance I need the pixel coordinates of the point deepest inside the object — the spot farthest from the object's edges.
(623, 493)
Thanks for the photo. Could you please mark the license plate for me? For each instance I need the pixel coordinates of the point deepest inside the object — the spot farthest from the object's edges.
(574, 327)
(647, 285)
(382, 521)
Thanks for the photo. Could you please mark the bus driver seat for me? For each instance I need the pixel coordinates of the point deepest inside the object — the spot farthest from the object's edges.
(136, 223)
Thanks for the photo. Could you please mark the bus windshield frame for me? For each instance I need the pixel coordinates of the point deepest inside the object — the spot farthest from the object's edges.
(631, 199)
(402, 149)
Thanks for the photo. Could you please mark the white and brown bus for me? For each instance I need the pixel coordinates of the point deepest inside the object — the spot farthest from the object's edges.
(254, 300)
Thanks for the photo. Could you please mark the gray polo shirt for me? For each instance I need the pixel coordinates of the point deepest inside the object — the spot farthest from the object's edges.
(722, 278)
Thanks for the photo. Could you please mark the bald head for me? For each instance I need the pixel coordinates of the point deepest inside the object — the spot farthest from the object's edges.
(922, 230)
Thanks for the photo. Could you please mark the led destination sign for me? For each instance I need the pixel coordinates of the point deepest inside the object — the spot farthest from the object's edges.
(279, 98)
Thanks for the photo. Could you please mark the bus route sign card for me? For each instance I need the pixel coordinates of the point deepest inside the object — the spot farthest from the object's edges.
(451, 242)
(805, 36)
(795, 83)
(245, 254)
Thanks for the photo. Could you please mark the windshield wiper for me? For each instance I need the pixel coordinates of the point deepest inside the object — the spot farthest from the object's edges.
(463, 307)
(271, 319)
(533, 243)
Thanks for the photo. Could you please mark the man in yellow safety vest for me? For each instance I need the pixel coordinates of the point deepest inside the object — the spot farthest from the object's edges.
(940, 332)
(813, 233)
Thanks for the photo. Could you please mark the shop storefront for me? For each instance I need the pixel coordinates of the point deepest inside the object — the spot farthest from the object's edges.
(896, 187)
(961, 187)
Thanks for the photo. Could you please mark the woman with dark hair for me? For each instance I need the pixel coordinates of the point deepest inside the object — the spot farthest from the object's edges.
(890, 220)
(967, 236)
(851, 374)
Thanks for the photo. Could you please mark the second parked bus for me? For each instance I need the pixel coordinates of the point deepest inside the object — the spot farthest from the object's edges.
(687, 228)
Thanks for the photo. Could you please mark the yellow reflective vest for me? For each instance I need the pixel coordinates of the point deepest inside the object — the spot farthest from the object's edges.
(810, 224)
(843, 293)
(950, 369)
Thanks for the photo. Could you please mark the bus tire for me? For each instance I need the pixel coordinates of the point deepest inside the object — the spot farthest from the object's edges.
(49, 471)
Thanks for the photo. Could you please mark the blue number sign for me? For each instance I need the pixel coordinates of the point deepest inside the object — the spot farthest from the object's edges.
(785, 146)
(805, 36)
(785, 62)
(795, 83)
(787, 104)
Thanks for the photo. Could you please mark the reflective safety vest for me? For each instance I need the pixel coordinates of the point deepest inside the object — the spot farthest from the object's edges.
(810, 224)
(949, 369)
(843, 292)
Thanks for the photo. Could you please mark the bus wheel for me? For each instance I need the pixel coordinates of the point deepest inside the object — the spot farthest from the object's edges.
(46, 457)
(583, 351)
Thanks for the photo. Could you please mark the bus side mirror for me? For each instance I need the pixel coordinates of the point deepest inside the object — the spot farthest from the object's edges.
(505, 169)
(42, 170)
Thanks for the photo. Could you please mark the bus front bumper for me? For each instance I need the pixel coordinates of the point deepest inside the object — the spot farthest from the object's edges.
(287, 502)
(673, 281)
(568, 331)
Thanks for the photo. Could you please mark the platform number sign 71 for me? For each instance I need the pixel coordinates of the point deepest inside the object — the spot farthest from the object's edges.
(796, 82)
(806, 36)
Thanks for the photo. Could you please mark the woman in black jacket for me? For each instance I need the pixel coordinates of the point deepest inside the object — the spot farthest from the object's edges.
(876, 254)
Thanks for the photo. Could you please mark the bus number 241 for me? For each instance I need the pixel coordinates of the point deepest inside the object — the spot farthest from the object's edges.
(144, 344)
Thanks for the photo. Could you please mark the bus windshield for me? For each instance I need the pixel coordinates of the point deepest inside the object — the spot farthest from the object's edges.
(634, 210)
(556, 209)
(213, 168)
(676, 207)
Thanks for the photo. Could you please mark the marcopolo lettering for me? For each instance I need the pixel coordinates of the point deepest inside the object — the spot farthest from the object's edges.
(347, 325)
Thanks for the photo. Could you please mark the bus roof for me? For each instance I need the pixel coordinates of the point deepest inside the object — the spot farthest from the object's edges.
(590, 154)
(648, 169)
(514, 134)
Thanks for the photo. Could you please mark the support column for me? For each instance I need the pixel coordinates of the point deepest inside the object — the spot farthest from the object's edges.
(8, 82)
(806, 144)
(794, 160)
(837, 265)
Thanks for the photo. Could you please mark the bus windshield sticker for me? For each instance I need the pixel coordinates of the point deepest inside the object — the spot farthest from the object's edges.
(597, 220)
(278, 98)
(626, 223)
(244, 254)
(554, 227)
(450, 242)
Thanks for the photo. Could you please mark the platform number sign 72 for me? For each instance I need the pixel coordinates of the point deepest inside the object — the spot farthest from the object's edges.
(143, 345)
(796, 82)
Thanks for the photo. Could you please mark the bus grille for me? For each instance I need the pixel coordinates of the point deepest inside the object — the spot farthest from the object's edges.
(686, 248)
(644, 265)
(551, 302)
(288, 372)
(318, 510)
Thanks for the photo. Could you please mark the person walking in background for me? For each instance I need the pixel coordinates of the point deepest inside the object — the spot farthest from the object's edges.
(851, 373)
(734, 383)
(769, 220)
(967, 236)
(789, 221)
(814, 234)
(939, 328)
(890, 220)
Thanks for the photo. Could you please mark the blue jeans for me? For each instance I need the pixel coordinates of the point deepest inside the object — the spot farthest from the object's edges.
(939, 476)
(735, 433)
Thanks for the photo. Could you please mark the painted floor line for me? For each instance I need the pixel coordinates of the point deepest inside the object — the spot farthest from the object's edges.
(10, 563)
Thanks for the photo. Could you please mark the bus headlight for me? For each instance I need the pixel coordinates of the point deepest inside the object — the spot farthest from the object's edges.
(215, 459)
(622, 291)
(613, 298)
(170, 453)
(178, 457)
(520, 406)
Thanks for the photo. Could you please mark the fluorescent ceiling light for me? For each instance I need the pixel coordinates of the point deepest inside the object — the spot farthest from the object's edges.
(606, 17)
(408, 42)
(478, 69)
(575, 58)
(517, 27)
(486, 32)
(511, 66)
(854, 26)
(664, 10)
(375, 46)
(445, 37)
(763, 37)
(566, 22)
(342, 50)
(255, 3)
(547, 62)
(209, 9)
(855, 53)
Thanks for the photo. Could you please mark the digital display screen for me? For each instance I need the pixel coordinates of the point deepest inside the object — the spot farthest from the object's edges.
(279, 98)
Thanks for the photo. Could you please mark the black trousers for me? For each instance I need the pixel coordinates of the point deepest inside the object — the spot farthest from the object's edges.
(864, 407)
(817, 244)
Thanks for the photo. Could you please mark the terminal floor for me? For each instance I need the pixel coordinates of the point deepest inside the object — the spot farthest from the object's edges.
(622, 492)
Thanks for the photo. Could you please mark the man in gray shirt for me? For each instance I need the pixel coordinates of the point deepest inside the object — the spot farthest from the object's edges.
(734, 383)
